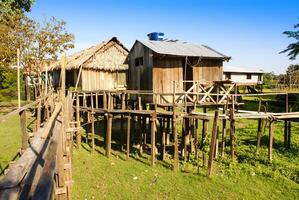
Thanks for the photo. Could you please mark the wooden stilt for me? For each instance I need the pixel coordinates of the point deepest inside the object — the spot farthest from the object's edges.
(270, 140)
(92, 124)
(153, 140)
(232, 134)
(128, 136)
(213, 144)
(216, 142)
(204, 133)
(108, 135)
(78, 133)
(223, 133)
(38, 115)
(176, 144)
(289, 134)
(23, 122)
(196, 139)
(259, 132)
(163, 138)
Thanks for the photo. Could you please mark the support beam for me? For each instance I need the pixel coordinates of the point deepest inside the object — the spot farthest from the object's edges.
(153, 140)
(128, 136)
(92, 124)
(259, 133)
(23, 122)
(176, 144)
(108, 135)
(78, 132)
(271, 134)
(213, 144)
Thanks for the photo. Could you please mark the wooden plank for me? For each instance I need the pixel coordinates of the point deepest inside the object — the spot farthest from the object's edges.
(259, 132)
(153, 140)
(128, 136)
(176, 145)
(78, 133)
(271, 134)
(108, 135)
(213, 144)
(24, 134)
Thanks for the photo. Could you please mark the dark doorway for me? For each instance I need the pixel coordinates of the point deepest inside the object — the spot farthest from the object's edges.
(188, 74)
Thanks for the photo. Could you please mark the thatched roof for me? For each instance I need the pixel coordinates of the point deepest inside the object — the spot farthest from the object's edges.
(109, 56)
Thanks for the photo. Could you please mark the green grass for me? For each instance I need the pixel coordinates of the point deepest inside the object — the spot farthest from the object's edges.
(10, 141)
(251, 176)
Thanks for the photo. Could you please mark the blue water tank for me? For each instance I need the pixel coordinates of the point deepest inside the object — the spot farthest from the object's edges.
(156, 36)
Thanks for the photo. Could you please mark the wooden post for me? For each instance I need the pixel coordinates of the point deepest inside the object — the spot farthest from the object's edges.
(97, 100)
(213, 144)
(23, 130)
(92, 124)
(104, 101)
(204, 133)
(196, 138)
(128, 136)
(216, 142)
(38, 115)
(78, 133)
(153, 140)
(18, 78)
(270, 140)
(223, 133)
(163, 138)
(108, 135)
(232, 128)
(286, 123)
(289, 134)
(176, 144)
(140, 134)
(259, 132)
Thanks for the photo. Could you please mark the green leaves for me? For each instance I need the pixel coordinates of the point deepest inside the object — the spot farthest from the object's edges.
(293, 48)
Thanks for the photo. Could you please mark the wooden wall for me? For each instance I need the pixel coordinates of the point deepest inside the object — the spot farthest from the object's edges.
(208, 70)
(140, 77)
(165, 72)
(102, 80)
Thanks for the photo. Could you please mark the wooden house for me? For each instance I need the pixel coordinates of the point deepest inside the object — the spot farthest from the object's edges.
(155, 65)
(100, 67)
(243, 76)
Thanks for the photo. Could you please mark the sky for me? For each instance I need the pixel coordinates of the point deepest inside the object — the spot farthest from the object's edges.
(249, 31)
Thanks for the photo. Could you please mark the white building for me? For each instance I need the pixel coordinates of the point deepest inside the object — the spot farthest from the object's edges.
(243, 76)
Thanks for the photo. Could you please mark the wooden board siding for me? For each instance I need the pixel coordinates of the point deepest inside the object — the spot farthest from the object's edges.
(165, 72)
(208, 70)
(99, 80)
(140, 77)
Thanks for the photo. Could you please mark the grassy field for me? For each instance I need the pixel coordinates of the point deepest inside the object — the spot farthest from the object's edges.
(251, 176)
(10, 141)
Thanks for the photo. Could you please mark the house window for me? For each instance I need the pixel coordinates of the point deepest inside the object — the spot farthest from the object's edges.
(260, 78)
(248, 76)
(227, 76)
(138, 61)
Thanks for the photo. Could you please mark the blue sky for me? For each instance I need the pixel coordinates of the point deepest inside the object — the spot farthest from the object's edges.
(250, 31)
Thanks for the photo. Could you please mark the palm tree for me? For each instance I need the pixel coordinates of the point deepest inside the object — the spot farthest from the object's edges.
(293, 48)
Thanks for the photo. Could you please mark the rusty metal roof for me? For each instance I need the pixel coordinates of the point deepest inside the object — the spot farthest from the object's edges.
(182, 49)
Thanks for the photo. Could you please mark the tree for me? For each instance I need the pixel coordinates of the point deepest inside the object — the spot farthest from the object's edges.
(293, 48)
(292, 74)
(36, 41)
(10, 7)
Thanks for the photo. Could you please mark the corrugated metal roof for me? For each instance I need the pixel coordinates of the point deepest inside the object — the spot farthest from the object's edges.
(241, 70)
(182, 49)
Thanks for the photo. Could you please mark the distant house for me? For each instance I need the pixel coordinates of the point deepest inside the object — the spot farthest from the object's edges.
(243, 76)
(99, 67)
(155, 65)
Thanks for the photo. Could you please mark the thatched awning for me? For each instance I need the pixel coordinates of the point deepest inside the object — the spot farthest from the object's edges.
(92, 58)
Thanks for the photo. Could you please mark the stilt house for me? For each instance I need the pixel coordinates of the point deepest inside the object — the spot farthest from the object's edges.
(155, 65)
(99, 67)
